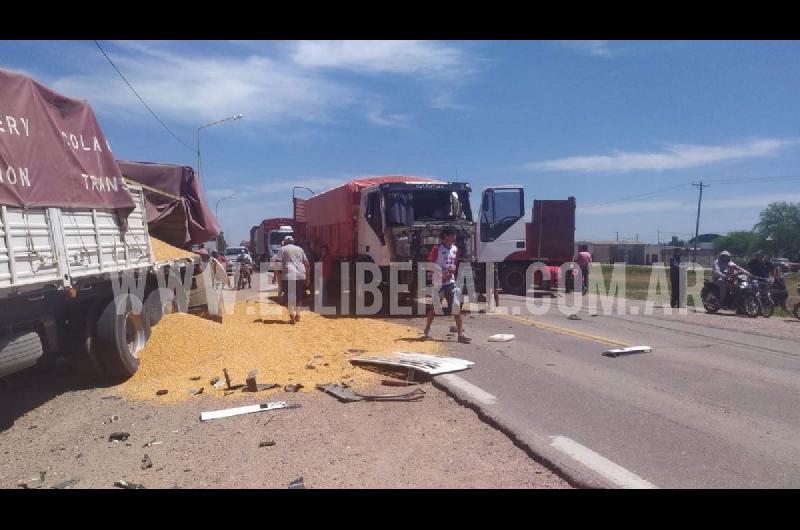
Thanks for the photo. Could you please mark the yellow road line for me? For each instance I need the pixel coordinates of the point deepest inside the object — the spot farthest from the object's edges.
(565, 331)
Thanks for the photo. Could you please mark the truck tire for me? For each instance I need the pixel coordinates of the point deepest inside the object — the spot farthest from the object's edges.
(157, 303)
(121, 335)
(19, 351)
(513, 280)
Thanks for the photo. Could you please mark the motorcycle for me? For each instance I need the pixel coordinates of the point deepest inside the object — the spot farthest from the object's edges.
(744, 298)
(763, 290)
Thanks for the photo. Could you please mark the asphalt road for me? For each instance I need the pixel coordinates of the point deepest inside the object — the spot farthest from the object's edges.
(714, 405)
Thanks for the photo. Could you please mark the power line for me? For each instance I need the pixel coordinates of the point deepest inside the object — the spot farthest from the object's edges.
(140, 98)
(647, 194)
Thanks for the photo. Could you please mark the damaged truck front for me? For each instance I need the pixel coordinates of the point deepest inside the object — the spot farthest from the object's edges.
(385, 221)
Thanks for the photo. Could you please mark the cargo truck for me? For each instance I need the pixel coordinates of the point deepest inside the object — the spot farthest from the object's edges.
(505, 237)
(70, 227)
(387, 219)
(267, 237)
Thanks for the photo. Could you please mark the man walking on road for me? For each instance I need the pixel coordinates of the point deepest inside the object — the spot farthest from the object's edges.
(445, 255)
(295, 271)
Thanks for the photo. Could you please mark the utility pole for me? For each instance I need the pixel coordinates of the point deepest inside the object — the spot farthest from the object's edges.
(617, 236)
(658, 236)
(697, 224)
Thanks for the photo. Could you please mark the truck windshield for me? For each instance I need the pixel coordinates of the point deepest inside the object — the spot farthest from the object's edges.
(275, 238)
(406, 207)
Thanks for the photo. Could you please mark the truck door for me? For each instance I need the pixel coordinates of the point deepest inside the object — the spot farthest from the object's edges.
(501, 223)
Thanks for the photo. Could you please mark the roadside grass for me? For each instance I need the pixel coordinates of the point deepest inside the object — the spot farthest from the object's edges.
(637, 284)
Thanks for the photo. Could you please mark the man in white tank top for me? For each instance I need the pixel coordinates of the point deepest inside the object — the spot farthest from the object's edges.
(445, 255)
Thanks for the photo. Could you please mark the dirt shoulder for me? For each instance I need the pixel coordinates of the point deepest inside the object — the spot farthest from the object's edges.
(51, 422)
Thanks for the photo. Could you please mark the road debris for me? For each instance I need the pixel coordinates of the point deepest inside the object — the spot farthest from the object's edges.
(195, 378)
(161, 392)
(111, 397)
(574, 316)
(269, 443)
(292, 388)
(118, 436)
(247, 409)
(152, 443)
(113, 419)
(196, 391)
(501, 337)
(253, 386)
(346, 395)
(390, 382)
(228, 381)
(429, 364)
(146, 462)
(356, 350)
(297, 484)
(33, 482)
(128, 485)
(627, 351)
(217, 383)
(66, 484)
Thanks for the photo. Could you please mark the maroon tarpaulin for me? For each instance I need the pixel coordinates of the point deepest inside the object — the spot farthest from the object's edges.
(177, 211)
(53, 152)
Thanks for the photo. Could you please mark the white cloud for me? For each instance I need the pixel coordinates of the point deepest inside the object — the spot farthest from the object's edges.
(195, 89)
(271, 84)
(594, 48)
(380, 57)
(378, 116)
(674, 156)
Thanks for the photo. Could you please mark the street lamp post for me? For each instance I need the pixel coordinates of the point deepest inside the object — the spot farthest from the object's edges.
(236, 117)
(216, 208)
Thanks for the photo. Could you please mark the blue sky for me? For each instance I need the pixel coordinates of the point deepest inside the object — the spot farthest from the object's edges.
(600, 120)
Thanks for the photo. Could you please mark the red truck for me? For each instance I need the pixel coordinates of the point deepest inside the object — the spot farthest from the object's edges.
(504, 236)
(266, 238)
(387, 219)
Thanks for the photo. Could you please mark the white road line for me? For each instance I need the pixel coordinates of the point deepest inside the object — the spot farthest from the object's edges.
(468, 388)
(605, 467)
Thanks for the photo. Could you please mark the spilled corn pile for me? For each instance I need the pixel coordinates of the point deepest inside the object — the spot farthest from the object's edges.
(164, 251)
(315, 351)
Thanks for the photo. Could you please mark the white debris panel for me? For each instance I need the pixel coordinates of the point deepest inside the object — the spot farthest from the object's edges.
(430, 364)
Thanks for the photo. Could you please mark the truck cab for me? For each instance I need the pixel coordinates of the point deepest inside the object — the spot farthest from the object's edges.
(506, 237)
(401, 221)
(275, 238)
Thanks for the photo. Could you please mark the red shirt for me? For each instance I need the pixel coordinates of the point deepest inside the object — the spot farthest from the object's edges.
(327, 267)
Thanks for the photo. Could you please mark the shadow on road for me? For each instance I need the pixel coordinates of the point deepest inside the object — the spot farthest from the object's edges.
(29, 389)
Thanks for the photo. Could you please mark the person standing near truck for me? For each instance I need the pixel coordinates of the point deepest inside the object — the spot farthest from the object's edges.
(445, 255)
(584, 260)
(295, 271)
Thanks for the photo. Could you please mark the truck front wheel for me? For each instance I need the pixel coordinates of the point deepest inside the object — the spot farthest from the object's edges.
(121, 336)
(512, 280)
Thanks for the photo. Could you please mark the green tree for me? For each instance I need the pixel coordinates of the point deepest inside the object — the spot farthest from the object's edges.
(739, 243)
(779, 225)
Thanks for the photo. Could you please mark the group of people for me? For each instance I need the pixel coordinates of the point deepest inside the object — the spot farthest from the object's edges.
(292, 272)
(759, 267)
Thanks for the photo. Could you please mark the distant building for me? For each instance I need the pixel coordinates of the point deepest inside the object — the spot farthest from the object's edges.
(633, 252)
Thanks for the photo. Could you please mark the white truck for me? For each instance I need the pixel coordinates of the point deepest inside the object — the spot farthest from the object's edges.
(58, 267)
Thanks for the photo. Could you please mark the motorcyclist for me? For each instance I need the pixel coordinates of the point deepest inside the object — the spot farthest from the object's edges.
(724, 266)
(760, 266)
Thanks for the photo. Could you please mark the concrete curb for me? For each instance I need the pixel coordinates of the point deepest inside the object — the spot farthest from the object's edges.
(535, 445)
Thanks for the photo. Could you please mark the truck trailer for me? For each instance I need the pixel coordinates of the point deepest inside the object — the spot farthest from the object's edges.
(70, 228)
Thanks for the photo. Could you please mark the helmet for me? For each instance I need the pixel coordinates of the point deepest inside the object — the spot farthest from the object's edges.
(724, 254)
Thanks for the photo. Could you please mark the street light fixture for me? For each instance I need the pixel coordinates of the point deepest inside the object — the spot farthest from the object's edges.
(216, 208)
(235, 117)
